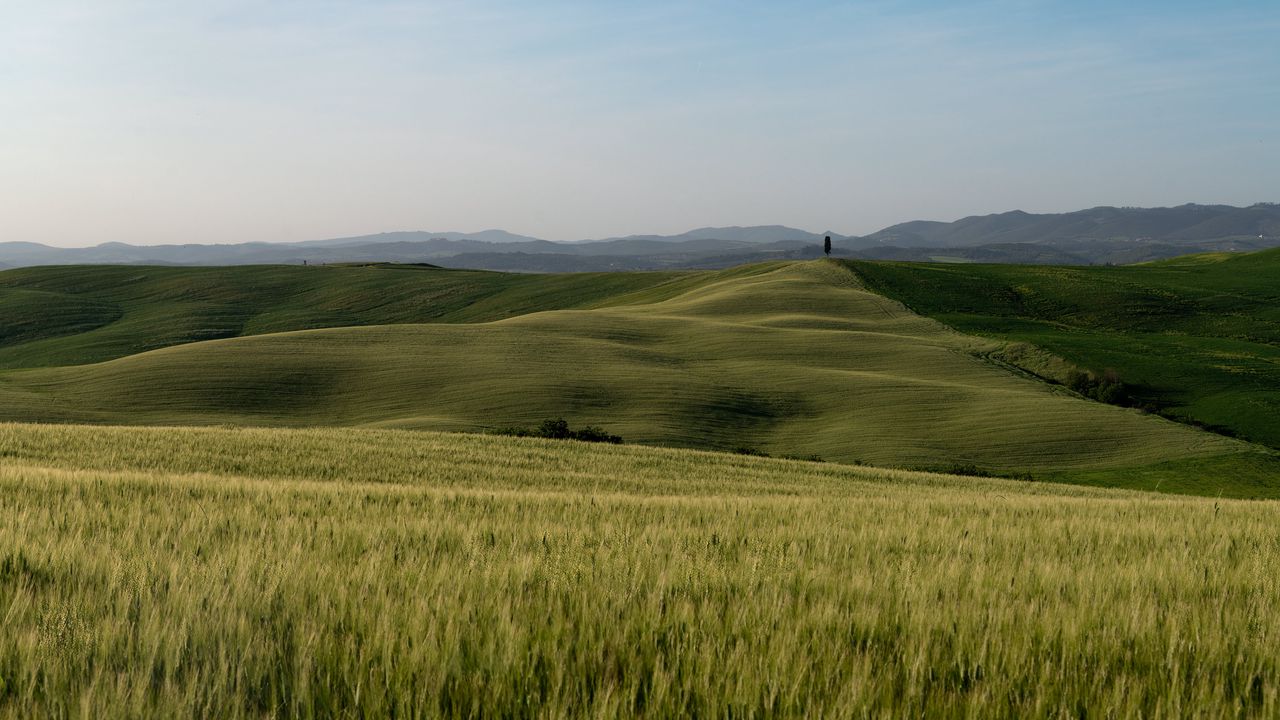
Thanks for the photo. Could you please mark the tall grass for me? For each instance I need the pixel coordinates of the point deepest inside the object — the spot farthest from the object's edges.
(255, 573)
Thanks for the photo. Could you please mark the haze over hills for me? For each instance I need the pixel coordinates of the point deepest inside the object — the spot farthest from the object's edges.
(1182, 224)
(485, 236)
(753, 234)
(1094, 236)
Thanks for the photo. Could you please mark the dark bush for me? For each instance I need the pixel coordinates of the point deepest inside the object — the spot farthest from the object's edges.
(594, 434)
(1078, 380)
(558, 429)
(1107, 389)
(512, 431)
(970, 470)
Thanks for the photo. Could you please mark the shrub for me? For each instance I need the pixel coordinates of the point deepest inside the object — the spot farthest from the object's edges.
(558, 429)
(969, 469)
(512, 431)
(972, 470)
(1106, 389)
(807, 458)
(591, 433)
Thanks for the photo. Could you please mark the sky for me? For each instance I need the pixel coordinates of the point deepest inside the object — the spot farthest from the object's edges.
(150, 121)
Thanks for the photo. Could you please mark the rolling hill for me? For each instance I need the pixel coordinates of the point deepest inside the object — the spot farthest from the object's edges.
(1196, 338)
(787, 358)
(81, 314)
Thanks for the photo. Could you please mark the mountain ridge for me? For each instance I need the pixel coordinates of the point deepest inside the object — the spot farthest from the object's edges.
(1103, 234)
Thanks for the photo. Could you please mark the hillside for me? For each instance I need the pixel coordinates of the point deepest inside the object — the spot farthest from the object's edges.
(784, 358)
(82, 314)
(1196, 338)
(163, 572)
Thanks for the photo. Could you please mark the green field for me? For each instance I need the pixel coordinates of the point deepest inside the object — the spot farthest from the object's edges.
(73, 315)
(785, 358)
(1196, 338)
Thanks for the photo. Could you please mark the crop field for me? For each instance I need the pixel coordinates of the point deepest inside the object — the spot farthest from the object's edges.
(784, 358)
(214, 572)
(1196, 337)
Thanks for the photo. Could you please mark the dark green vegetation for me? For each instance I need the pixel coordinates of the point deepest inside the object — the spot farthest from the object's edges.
(266, 572)
(558, 429)
(1196, 339)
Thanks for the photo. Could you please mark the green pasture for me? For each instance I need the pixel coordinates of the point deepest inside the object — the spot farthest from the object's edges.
(72, 315)
(1197, 338)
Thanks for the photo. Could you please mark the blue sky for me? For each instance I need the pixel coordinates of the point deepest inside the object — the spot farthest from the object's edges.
(229, 121)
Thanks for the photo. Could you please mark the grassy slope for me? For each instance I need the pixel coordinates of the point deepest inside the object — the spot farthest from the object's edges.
(81, 314)
(369, 573)
(791, 358)
(1199, 336)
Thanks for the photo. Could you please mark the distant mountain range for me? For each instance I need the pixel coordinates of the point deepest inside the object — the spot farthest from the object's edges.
(1095, 236)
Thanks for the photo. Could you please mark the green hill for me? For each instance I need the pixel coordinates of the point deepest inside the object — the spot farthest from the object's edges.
(785, 358)
(212, 572)
(1196, 338)
(81, 314)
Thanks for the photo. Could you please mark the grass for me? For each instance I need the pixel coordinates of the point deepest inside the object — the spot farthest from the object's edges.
(794, 359)
(152, 572)
(72, 315)
(1198, 337)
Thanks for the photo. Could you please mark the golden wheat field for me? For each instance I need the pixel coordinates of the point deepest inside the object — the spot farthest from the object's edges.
(155, 572)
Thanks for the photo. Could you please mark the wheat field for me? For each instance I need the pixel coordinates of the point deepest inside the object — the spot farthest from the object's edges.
(216, 572)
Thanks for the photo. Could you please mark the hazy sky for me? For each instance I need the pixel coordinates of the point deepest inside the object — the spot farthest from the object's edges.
(228, 121)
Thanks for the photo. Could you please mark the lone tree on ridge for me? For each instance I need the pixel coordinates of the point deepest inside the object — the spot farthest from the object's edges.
(826, 245)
